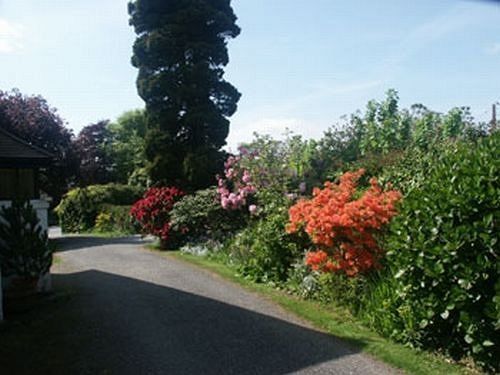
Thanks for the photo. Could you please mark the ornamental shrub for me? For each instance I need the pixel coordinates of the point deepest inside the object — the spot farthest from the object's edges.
(264, 251)
(237, 187)
(152, 213)
(443, 251)
(200, 216)
(24, 246)
(79, 208)
(343, 225)
(116, 219)
(266, 174)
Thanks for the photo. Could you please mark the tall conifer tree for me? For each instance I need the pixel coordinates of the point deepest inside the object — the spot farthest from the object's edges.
(180, 52)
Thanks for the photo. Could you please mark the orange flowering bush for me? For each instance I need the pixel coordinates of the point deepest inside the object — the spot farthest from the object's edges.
(342, 224)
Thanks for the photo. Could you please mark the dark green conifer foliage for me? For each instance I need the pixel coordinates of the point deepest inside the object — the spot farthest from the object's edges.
(24, 246)
(180, 52)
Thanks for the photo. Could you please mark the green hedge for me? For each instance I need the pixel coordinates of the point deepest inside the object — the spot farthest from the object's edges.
(79, 208)
(115, 219)
(441, 285)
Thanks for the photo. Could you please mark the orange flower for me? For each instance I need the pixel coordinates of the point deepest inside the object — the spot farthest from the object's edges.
(343, 226)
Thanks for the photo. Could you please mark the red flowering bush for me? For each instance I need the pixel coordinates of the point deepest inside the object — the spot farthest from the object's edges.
(343, 223)
(152, 212)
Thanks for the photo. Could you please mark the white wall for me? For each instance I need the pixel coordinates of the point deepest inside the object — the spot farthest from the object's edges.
(40, 206)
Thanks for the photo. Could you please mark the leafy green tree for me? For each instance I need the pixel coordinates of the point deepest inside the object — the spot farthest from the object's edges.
(386, 128)
(127, 148)
(180, 52)
(425, 126)
(340, 145)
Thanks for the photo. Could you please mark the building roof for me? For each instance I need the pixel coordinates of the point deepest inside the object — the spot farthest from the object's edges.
(15, 152)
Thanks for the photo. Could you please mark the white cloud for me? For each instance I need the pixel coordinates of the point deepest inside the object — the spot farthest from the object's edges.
(11, 35)
(494, 49)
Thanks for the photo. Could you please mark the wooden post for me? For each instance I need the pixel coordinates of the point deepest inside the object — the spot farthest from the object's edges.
(493, 118)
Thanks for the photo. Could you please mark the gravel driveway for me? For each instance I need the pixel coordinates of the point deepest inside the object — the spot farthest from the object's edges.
(141, 313)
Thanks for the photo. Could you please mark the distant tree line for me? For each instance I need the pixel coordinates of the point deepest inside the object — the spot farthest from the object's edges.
(117, 151)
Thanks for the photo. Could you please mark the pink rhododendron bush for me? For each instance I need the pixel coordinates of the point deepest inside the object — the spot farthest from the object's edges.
(266, 175)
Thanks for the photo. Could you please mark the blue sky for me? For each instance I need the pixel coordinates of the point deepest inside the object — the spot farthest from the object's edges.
(299, 64)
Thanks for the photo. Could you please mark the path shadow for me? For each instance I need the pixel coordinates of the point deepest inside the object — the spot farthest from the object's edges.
(119, 325)
(76, 242)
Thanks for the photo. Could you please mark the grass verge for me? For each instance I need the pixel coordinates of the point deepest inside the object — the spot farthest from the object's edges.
(338, 322)
(112, 234)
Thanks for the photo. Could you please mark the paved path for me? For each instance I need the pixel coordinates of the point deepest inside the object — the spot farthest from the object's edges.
(142, 313)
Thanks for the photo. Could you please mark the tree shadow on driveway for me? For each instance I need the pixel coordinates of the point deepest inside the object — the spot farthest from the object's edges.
(112, 324)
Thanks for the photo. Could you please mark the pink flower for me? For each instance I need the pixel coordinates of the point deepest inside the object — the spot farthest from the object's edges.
(252, 209)
(246, 177)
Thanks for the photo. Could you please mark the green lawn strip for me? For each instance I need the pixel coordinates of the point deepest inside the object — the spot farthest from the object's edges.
(337, 321)
(56, 259)
(113, 234)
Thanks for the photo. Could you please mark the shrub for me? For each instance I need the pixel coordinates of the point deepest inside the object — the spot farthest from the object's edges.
(79, 208)
(342, 226)
(237, 186)
(113, 218)
(264, 251)
(443, 251)
(200, 216)
(264, 173)
(152, 213)
(24, 246)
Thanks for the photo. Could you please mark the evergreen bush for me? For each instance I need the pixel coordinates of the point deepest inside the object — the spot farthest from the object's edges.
(79, 208)
(24, 245)
(443, 257)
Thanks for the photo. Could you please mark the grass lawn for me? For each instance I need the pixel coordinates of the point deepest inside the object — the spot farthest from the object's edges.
(340, 323)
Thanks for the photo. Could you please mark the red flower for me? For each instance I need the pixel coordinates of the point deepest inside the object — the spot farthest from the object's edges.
(152, 212)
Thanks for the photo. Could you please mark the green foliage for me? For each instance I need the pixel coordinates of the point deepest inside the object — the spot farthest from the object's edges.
(114, 219)
(127, 148)
(338, 146)
(180, 52)
(264, 251)
(79, 208)
(200, 216)
(140, 179)
(443, 251)
(278, 168)
(24, 245)
(384, 126)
